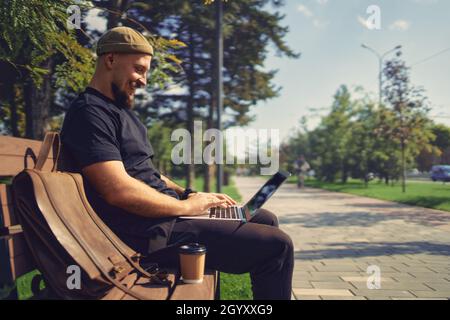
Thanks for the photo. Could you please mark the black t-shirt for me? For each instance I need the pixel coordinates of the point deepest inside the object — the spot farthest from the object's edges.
(96, 129)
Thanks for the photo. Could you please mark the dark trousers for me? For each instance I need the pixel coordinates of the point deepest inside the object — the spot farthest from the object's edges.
(258, 247)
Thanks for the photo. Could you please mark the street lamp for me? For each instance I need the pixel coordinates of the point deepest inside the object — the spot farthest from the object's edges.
(380, 61)
(219, 85)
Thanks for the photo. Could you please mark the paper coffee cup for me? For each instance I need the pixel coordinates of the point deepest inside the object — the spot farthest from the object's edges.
(192, 262)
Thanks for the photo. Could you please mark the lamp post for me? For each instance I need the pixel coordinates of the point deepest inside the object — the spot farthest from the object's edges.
(219, 86)
(380, 61)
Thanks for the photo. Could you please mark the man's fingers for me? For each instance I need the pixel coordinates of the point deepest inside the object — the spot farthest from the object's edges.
(219, 203)
(233, 202)
(230, 200)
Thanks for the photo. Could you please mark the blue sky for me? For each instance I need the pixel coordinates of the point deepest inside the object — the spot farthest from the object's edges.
(329, 34)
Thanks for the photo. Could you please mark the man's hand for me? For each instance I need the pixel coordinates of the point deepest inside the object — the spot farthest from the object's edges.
(199, 203)
(220, 196)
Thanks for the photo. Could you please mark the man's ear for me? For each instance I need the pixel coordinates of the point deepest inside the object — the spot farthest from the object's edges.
(109, 60)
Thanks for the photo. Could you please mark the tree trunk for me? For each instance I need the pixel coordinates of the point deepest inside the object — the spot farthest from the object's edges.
(37, 104)
(10, 96)
(208, 169)
(403, 167)
(190, 169)
(14, 116)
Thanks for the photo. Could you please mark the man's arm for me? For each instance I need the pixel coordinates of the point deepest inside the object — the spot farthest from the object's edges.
(172, 185)
(119, 189)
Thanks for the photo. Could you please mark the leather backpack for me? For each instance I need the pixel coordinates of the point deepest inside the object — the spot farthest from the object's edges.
(64, 233)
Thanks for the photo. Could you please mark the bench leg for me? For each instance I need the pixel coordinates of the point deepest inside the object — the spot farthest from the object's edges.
(217, 293)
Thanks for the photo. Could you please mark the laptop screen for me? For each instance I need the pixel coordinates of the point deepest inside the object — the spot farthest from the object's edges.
(266, 191)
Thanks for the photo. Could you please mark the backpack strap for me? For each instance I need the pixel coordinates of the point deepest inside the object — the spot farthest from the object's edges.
(51, 143)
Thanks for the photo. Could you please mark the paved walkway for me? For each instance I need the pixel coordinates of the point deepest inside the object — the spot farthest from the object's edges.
(338, 236)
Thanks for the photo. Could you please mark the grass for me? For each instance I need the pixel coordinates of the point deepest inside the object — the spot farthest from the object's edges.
(418, 193)
(233, 287)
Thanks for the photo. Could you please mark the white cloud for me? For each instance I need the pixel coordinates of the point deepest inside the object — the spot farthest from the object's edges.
(322, 2)
(317, 23)
(401, 25)
(304, 10)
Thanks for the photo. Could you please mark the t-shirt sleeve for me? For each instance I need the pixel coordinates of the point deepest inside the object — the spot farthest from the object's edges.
(91, 137)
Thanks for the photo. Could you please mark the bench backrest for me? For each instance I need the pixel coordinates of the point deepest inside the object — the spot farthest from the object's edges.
(15, 258)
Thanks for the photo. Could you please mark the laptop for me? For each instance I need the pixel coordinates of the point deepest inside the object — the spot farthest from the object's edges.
(246, 212)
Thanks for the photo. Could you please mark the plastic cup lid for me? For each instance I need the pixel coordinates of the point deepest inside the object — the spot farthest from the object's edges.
(192, 248)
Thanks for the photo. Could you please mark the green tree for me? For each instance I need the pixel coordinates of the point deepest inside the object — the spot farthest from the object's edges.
(45, 63)
(406, 121)
(361, 144)
(439, 150)
(329, 142)
(33, 33)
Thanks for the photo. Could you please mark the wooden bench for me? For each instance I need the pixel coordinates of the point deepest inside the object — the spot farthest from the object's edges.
(16, 259)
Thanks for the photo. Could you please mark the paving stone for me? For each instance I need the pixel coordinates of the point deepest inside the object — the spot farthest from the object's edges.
(342, 267)
(322, 292)
(388, 268)
(439, 269)
(438, 286)
(301, 275)
(378, 298)
(302, 284)
(402, 277)
(304, 268)
(431, 294)
(337, 273)
(419, 298)
(331, 285)
(308, 298)
(413, 269)
(353, 262)
(428, 275)
(443, 263)
(381, 293)
(364, 279)
(343, 298)
(402, 286)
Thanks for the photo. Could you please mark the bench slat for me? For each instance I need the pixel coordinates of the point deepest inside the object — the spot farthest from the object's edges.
(7, 217)
(205, 291)
(17, 146)
(183, 291)
(12, 164)
(12, 155)
(5, 195)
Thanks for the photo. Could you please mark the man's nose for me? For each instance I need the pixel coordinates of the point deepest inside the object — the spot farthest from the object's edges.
(142, 82)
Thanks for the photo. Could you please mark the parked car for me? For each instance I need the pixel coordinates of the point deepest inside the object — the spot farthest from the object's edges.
(440, 173)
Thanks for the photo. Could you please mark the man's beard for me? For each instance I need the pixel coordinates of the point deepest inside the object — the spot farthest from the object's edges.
(121, 97)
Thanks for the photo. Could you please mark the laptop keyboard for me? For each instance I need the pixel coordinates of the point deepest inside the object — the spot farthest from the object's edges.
(225, 213)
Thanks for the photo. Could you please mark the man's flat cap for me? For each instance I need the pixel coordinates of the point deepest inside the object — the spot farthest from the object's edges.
(123, 40)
